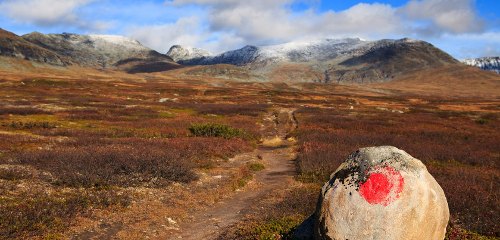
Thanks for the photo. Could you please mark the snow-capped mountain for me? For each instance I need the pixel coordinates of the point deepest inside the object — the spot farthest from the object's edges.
(348, 60)
(102, 51)
(288, 52)
(179, 53)
(485, 63)
(341, 60)
(310, 51)
(116, 41)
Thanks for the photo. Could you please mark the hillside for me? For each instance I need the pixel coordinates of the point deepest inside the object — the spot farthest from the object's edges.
(100, 51)
(390, 59)
(12, 45)
(451, 81)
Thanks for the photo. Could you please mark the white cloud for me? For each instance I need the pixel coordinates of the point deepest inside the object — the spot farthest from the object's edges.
(271, 21)
(363, 20)
(453, 16)
(186, 31)
(49, 13)
(470, 45)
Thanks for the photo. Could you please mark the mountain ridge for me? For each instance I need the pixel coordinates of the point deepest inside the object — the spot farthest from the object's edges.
(12, 45)
(347, 60)
(343, 61)
(98, 51)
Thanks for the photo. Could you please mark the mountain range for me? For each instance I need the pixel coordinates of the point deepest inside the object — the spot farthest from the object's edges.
(348, 60)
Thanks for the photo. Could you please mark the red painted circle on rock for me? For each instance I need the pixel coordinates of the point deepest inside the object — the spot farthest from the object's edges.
(383, 186)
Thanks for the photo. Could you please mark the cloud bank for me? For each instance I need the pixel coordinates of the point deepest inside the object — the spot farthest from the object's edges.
(49, 13)
(235, 23)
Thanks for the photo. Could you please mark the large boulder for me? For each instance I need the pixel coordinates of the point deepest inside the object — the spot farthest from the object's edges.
(381, 193)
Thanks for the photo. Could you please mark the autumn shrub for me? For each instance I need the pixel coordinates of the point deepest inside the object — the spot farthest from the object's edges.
(21, 111)
(111, 113)
(473, 195)
(91, 162)
(229, 109)
(327, 138)
(28, 125)
(38, 213)
(224, 109)
(13, 173)
(111, 165)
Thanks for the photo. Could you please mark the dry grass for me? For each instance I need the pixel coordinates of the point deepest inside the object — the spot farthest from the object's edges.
(274, 142)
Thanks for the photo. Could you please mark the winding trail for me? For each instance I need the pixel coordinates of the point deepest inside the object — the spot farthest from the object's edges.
(278, 173)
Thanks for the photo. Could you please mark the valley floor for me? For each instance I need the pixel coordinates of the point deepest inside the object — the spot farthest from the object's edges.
(117, 156)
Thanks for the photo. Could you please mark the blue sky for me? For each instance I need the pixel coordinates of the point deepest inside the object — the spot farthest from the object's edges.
(464, 28)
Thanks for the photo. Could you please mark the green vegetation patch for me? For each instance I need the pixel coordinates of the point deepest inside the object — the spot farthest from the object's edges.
(281, 228)
(28, 125)
(215, 130)
(256, 166)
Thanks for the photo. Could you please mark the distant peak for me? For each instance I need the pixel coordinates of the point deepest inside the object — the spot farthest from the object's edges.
(176, 47)
(249, 48)
(485, 63)
(409, 40)
(180, 53)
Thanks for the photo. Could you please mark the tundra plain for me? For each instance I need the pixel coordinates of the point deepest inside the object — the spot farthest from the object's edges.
(101, 154)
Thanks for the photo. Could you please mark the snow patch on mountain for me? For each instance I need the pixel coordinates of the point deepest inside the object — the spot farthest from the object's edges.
(485, 63)
(294, 52)
(180, 53)
(122, 41)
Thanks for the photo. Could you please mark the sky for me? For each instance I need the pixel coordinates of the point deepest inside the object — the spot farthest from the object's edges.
(463, 28)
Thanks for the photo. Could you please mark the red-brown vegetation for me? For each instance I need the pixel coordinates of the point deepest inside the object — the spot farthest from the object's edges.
(460, 153)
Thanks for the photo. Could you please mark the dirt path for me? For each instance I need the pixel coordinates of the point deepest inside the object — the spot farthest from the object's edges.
(278, 173)
(200, 210)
